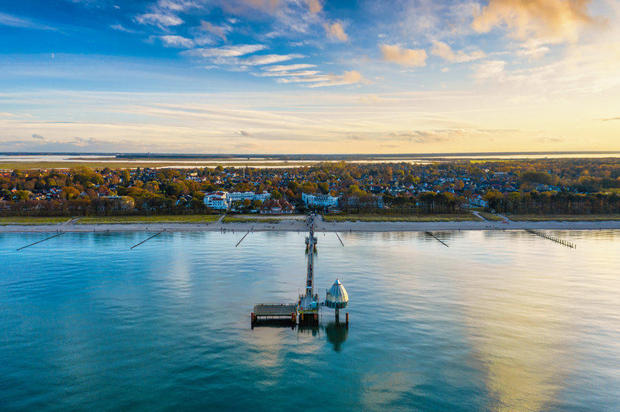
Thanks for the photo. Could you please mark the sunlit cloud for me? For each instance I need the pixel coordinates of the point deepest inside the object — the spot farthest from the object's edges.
(444, 51)
(314, 6)
(552, 20)
(336, 31)
(404, 57)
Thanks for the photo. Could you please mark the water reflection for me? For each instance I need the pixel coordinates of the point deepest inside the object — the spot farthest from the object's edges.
(337, 334)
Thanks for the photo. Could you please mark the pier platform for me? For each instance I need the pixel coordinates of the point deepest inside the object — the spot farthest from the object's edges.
(274, 313)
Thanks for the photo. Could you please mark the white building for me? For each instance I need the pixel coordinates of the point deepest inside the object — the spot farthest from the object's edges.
(240, 196)
(217, 200)
(319, 200)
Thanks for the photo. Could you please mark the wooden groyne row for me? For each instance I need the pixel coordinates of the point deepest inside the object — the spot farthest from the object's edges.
(552, 238)
(437, 239)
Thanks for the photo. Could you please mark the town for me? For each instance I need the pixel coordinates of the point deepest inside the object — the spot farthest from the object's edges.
(570, 186)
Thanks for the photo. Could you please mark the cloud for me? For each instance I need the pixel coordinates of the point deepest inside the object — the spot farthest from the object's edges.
(288, 67)
(14, 21)
(227, 51)
(159, 19)
(404, 57)
(270, 59)
(38, 137)
(533, 49)
(444, 51)
(177, 5)
(176, 41)
(120, 27)
(302, 73)
(336, 31)
(490, 69)
(555, 21)
(349, 77)
(245, 133)
(315, 6)
(611, 119)
(219, 31)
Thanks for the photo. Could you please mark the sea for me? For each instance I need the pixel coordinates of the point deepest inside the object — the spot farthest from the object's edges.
(496, 321)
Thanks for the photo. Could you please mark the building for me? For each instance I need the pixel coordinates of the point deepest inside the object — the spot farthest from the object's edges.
(319, 200)
(217, 200)
(276, 207)
(240, 196)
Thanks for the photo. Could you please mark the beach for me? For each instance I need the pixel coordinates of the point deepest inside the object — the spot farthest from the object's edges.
(296, 225)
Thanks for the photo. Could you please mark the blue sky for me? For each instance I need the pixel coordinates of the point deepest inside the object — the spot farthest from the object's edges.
(309, 75)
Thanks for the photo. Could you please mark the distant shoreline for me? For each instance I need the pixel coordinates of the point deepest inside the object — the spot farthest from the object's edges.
(299, 226)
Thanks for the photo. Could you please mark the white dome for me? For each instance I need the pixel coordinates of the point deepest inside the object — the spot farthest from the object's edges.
(337, 296)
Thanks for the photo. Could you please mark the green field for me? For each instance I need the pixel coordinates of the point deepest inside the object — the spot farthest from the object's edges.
(462, 217)
(248, 219)
(149, 219)
(568, 218)
(27, 220)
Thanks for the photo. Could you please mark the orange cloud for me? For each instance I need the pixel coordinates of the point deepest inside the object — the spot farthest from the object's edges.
(404, 57)
(552, 20)
(336, 31)
(444, 51)
(315, 6)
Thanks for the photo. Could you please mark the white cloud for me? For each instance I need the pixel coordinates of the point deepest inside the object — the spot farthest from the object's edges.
(177, 5)
(227, 51)
(444, 51)
(289, 67)
(301, 73)
(120, 27)
(490, 69)
(14, 21)
(270, 59)
(176, 41)
(404, 57)
(159, 19)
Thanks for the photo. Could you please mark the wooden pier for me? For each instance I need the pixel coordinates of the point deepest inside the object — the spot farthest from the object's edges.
(274, 313)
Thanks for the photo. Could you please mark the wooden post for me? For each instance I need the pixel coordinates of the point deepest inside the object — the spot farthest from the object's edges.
(347, 319)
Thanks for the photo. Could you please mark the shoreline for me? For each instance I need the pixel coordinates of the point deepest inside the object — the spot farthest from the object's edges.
(321, 226)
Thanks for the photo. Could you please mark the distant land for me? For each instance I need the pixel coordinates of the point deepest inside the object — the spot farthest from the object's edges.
(312, 157)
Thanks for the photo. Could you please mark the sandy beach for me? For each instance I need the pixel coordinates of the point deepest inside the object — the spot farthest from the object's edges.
(321, 226)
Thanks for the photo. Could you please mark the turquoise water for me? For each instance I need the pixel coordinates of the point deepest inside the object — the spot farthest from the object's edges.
(499, 321)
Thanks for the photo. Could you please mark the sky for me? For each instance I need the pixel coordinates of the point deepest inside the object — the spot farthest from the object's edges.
(309, 76)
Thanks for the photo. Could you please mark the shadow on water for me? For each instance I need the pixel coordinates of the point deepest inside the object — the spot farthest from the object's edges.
(336, 332)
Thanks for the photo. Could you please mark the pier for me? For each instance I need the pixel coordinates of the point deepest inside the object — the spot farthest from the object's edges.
(306, 311)
(274, 313)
